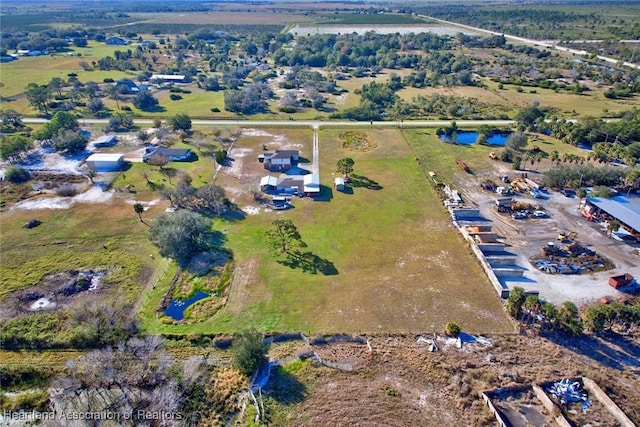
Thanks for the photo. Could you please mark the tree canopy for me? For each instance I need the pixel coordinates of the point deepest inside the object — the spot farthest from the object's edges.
(180, 122)
(144, 101)
(61, 120)
(249, 351)
(14, 146)
(345, 166)
(181, 234)
(284, 236)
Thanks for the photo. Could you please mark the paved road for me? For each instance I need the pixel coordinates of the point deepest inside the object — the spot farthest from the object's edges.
(535, 42)
(315, 165)
(310, 123)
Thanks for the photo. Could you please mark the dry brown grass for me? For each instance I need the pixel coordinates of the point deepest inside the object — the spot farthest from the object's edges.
(443, 388)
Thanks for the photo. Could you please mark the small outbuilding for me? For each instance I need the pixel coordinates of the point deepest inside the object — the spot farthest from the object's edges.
(311, 185)
(268, 183)
(105, 162)
(338, 184)
(105, 141)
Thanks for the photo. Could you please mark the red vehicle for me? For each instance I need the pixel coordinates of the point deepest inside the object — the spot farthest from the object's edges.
(621, 280)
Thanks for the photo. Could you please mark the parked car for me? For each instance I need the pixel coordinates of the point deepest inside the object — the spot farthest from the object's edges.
(519, 215)
(539, 214)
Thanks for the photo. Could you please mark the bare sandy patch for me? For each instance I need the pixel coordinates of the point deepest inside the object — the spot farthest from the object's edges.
(94, 195)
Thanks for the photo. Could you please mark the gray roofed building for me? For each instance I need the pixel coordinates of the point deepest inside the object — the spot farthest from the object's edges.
(620, 208)
(173, 154)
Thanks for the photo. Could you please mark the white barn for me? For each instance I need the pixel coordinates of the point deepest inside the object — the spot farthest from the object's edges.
(105, 162)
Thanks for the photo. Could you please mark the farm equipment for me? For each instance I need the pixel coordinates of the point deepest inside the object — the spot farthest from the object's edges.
(567, 236)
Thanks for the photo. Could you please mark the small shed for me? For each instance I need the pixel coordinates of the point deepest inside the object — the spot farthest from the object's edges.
(268, 183)
(338, 183)
(105, 141)
(105, 162)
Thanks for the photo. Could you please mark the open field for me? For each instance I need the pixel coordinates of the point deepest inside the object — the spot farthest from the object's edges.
(389, 257)
(41, 69)
(246, 17)
(85, 236)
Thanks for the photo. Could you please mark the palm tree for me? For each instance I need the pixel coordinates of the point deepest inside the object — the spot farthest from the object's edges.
(612, 226)
(139, 209)
(581, 193)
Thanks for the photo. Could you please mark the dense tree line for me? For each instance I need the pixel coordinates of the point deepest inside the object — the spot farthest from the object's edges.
(575, 175)
(568, 318)
(251, 99)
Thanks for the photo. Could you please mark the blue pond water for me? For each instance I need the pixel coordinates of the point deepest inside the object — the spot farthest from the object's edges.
(177, 307)
(468, 138)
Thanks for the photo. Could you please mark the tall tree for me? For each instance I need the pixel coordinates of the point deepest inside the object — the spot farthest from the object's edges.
(139, 209)
(158, 160)
(181, 234)
(144, 100)
(38, 96)
(14, 146)
(284, 236)
(180, 122)
(613, 226)
(56, 84)
(345, 166)
(249, 351)
(516, 141)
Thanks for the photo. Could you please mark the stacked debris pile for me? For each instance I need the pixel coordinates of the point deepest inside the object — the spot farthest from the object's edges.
(572, 258)
(568, 392)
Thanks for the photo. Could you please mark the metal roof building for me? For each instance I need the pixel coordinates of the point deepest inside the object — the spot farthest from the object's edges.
(621, 208)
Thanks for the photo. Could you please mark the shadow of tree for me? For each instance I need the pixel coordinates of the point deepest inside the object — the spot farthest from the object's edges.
(309, 263)
(360, 181)
(233, 213)
(285, 388)
(155, 187)
(608, 349)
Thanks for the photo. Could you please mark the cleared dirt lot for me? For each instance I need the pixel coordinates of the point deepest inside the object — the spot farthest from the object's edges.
(526, 237)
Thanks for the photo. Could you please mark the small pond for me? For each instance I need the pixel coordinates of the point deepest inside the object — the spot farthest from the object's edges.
(177, 307)
(469, 137)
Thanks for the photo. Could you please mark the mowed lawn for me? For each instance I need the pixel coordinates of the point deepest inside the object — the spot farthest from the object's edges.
(389, 259)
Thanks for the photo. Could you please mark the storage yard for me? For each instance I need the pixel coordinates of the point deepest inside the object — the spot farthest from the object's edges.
(559, 254)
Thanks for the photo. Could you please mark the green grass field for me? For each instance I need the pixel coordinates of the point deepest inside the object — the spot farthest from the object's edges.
(76, 238)
(397, 257)
(41, 69)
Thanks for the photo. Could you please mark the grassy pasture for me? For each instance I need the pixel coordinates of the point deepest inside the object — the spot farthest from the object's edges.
(244, 17)
(372, 19)
(394, 250)
(41, 69)
(509, 100)
(76, 238)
